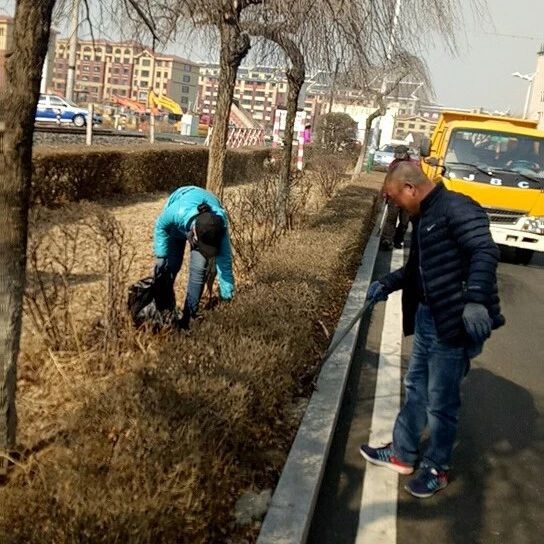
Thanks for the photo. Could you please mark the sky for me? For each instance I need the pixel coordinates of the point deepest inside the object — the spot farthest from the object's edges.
(491, 48)
(489, 52)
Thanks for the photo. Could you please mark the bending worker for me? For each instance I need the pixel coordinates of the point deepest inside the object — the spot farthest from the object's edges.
(193, 215)
(450, 304)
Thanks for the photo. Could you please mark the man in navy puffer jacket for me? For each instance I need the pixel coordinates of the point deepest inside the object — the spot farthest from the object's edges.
(450, 303)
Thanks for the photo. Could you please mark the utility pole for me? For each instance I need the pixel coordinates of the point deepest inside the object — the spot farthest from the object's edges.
(71, 75)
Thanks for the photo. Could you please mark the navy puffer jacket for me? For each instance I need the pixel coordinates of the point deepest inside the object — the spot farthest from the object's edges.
(457, 260)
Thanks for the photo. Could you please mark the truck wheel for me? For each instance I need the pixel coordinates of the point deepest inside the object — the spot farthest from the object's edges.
(79, 120)
(523, 256)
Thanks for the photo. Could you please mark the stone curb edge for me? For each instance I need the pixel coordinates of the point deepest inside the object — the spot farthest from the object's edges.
(289, 515)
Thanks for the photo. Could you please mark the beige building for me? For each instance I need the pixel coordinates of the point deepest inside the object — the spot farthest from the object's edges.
(414, 127)
(125, 69)
(6, 36)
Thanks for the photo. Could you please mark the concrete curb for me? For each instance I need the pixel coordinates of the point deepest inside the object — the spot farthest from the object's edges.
(290, 512)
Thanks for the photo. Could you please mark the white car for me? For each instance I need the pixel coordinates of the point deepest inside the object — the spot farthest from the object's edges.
(55, 109)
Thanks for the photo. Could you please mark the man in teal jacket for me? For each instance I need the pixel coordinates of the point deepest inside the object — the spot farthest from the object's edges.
(193, 215)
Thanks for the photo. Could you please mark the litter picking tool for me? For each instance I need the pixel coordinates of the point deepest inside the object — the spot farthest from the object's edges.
(382, 220)
(368, 305)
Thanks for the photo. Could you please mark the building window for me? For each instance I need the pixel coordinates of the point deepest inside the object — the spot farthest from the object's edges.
(145, 73)
(186, 79)
(186, 67)
(184, 89)
(146, 62)
(184, 100)
(96, 68)
(411, 125)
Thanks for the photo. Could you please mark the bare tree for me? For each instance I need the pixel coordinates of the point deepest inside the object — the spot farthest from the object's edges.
(31, 28)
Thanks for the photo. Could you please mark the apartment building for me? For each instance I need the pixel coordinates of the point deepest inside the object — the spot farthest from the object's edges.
(414, 127)
(6, 39)
(259, 90)
(125, 69)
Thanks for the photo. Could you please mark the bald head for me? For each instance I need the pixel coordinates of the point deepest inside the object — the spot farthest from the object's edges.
(408, 172)
(406, 186)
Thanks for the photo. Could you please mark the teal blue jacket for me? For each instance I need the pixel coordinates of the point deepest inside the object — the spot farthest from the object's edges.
(176, 220)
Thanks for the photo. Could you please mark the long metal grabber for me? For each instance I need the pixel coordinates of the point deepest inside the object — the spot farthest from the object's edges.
(368, 305)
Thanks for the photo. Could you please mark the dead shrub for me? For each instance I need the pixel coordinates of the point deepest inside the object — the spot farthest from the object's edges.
(327, 172)
(57, 259)
(253, 216)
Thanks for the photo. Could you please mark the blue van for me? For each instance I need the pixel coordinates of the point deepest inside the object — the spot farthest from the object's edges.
(55, 109)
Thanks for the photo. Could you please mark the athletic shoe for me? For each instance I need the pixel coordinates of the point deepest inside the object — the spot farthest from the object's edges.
(384, 457)
(427, 483)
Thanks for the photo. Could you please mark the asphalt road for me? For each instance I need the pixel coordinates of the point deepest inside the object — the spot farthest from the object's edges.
(496, 494)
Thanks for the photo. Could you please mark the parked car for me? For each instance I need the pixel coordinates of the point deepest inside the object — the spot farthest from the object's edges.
(384, 156)
(60, 110)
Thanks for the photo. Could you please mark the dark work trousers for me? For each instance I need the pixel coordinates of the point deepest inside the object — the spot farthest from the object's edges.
(198, 273)
(393, 232)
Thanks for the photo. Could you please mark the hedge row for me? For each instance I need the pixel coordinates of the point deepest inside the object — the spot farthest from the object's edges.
(82, 173)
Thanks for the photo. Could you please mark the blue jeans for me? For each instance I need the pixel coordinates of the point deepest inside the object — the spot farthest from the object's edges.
(198, 268)
(432, 396)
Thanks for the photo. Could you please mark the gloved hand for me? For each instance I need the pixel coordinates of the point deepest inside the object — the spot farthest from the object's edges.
(377, 292)
(477, 322)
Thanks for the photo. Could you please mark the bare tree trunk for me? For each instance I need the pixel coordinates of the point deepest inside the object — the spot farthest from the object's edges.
(234, 47)
(17, 109)
(368, 126)
(295, 80)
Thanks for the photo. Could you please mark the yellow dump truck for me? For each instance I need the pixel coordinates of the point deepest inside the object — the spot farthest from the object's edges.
(499, 162)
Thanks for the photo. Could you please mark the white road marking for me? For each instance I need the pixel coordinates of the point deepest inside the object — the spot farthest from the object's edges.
(378, 516)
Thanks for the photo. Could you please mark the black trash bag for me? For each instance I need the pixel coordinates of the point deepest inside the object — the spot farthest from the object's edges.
(151, 301)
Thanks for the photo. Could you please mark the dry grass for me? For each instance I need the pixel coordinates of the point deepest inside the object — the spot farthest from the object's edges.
(155, 440)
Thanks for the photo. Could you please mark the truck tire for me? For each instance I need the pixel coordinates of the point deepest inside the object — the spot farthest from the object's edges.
(524, 256)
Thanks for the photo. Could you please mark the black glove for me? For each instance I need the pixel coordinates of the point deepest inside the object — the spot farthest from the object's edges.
(377, 292)
(160, 266)
(477, 322)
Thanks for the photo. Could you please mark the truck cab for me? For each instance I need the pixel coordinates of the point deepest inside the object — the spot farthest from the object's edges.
(499, 162)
